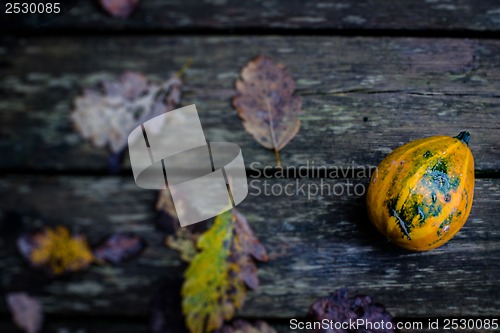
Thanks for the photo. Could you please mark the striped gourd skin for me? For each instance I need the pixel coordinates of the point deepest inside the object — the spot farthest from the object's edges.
(421, 194)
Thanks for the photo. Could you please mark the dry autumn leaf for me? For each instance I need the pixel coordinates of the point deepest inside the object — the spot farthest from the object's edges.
(242, 326)
(119, 247)
(212, 291)
(266, 104)
(26, 312)
(337, 307)
(106, 114)
(250, 243)
(216, 280)
(246, 246)
(165, 204)
(56, 250)
(182, 240)
(119, 8)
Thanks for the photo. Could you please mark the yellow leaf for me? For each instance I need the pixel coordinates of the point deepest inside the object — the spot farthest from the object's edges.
(216, 280)
(212, 290)
(57, 250)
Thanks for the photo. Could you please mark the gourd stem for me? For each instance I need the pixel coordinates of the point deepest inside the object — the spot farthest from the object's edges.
(464, 137)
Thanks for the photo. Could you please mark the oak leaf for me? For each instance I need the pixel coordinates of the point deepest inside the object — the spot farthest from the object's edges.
(56, 250)
(217, 278)
(107, 113)
(338, 307)
(266, 104)
(26, 312)
(119, 247)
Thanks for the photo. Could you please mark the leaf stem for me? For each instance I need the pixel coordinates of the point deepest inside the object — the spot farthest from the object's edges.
(184, 68)
(277, 154)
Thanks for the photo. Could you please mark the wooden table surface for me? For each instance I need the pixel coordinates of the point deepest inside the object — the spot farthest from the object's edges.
(372, 74)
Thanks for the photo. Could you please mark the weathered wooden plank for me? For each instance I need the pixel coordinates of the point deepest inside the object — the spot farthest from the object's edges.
(362, 96)
(177, 15)
(113, 325)
(55, 325)
(117, 326)
(316, 245)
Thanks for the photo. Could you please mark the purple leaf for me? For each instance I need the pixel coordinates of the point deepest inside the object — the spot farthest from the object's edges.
(26, 312)
(119, 8)
(119, 247)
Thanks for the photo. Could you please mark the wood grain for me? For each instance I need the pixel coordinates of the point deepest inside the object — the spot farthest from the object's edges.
(292, 15)
(362, 97)
(316, 245)
(55, 325)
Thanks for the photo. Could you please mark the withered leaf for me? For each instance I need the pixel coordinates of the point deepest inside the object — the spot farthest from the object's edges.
(211, 291)
(119, 247)
(249, 242)
(119, 8)
(246, 246)
(266, 104)
(215, 281)
(56, 250)
(339, 308)
(182, 240)
(107, 113)
(165, 204)
(26, 312)
(243, 326)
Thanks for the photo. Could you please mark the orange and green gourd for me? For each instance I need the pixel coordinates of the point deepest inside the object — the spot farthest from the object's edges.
(421, 194)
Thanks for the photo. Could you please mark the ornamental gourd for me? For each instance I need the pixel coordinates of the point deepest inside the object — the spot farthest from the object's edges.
(421, 194)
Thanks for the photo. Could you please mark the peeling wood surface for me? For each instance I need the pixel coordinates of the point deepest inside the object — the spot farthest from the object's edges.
(315, 246)
(362, 97)
(178, 15)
